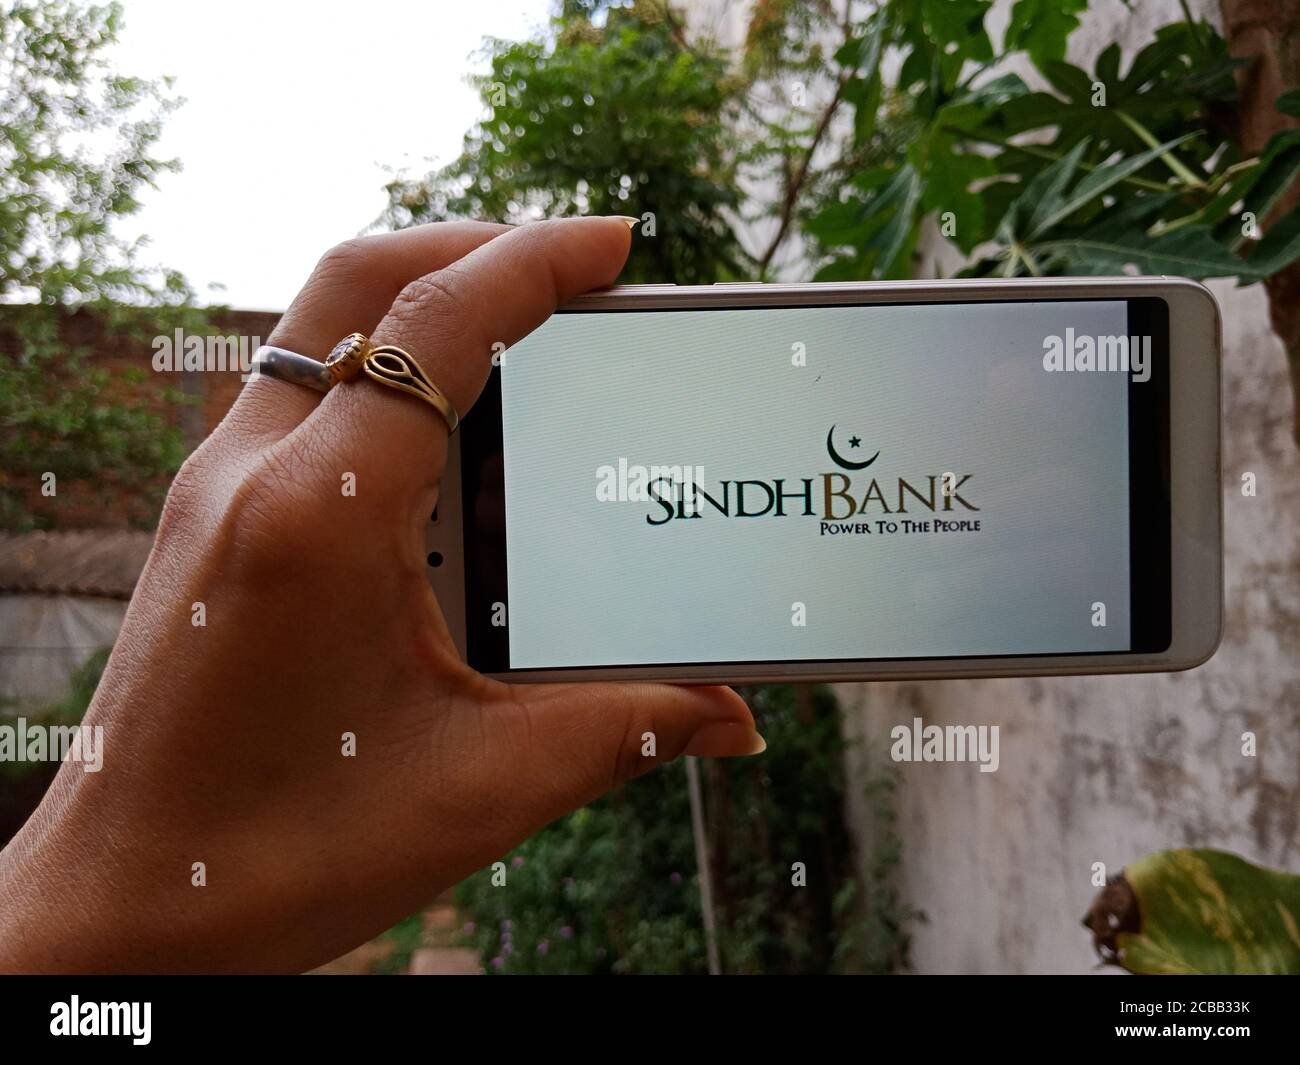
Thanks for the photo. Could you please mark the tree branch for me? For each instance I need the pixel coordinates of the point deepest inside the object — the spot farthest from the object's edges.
(794, 187)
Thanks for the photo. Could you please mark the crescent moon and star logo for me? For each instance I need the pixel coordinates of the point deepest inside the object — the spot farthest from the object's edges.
(840, 460)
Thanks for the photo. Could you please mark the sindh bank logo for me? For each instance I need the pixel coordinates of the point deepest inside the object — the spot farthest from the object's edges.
(839, 460)
(847, 500)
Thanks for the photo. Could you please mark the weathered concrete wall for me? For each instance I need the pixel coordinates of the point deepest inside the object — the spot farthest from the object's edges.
(1107, 769)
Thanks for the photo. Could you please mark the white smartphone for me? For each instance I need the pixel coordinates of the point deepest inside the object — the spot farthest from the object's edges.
(750, 483)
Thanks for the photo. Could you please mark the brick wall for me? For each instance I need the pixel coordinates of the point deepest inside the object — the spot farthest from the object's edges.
(127, 353)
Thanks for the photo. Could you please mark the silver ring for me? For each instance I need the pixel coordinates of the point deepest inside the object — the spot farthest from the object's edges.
(285, 365)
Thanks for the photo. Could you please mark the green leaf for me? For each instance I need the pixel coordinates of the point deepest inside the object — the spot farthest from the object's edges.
(838, 224)
(843, 268)
(897, 203)
(1153, 61)
(1278, 169)
(1289, 103)
(948, 190)
(1042, 27)
(1095, 184)
(1138, 212)
(1279, 248)
(1190, 251)
(959, 22)
(938, 37)
(1107, 65)
(1199, 912)
(1044, 192)
(1070, 81)
(871, 43)
(973, 109)
(1037, 110)
(867, 108)
(864, 89)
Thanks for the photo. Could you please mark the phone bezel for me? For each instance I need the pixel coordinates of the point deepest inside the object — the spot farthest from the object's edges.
(1194, 482)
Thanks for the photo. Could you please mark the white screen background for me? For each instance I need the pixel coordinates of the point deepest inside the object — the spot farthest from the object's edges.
(953, 388)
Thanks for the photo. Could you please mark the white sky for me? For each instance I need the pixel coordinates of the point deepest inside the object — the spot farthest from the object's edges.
(293, 109)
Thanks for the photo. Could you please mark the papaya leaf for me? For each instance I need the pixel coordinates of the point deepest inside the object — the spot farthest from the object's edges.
(1070, 81)
(865, 95)
(838, 224)
(1254, 191)
(1289, 103)
(1151, 63)
(975, 107)
(938, 37)
(1095, 184)
(996, 91)
(864, 89)
(897, 202)
(1198, 911)
(1279, 248)
(1190, 251)
(1042, 27)
(1107, 65)
(948, 191)
(959, 23)
(1279, 166)
(849, 54)
(842, 268)
(1138, 213)
(1234, 192)
(1044, 193)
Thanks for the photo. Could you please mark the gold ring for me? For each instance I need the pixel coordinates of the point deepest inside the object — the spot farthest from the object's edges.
(391, 366)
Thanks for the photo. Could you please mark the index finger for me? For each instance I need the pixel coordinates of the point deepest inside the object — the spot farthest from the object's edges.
(351, 289)
(451, 321)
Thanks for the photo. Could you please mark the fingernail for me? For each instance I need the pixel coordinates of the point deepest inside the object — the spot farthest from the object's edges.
(631, 222)
(725, 740)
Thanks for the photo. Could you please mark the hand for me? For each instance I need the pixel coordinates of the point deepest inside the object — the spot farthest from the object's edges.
(224, 743)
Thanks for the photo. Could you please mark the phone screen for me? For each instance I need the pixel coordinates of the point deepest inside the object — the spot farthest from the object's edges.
(928, 480)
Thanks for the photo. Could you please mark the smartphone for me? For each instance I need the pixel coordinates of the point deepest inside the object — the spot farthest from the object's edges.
(745, 483)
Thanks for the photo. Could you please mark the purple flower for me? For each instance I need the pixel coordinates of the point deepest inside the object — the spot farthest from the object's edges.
(498, 962)
(506, 926)
(507, 949)
(469, 928)
(543, 947)
(676, 878)
(517, 860)
(566, 932)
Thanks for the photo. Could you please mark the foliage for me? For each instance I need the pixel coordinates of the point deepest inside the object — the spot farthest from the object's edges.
(616, 110)
(879, 937)
(620, 117)
(1100, 172)
(1199, 912)
(75, 153)
(66, 711)
(612, 887)
(63, 413)
(403, 940)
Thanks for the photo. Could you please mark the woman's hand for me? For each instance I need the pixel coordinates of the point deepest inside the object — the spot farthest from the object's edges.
(224, 743)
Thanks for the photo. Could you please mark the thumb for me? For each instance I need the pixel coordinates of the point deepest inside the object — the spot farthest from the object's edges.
(585, 739)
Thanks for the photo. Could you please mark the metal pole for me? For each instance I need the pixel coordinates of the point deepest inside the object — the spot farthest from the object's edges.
(703, 865)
